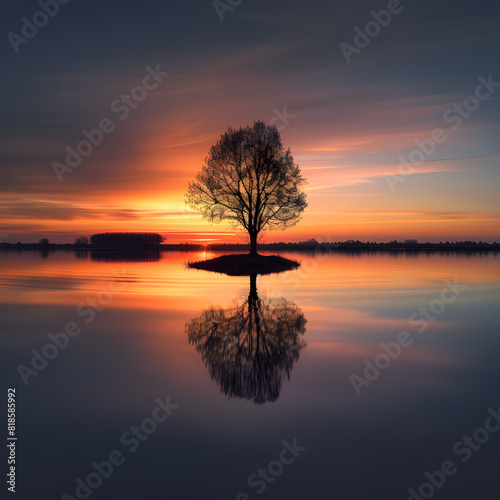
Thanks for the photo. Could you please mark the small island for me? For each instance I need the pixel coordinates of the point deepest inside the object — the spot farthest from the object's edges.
(246, 264)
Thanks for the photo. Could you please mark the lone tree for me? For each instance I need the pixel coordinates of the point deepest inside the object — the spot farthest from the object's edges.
(250, 180)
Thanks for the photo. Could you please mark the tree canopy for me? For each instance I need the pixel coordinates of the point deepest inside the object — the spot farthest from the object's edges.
(250, 180)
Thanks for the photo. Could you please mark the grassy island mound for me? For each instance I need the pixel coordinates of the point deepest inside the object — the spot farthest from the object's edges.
(245, 264)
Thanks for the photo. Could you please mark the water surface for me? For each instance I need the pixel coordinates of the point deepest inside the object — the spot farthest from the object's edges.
(251, 365)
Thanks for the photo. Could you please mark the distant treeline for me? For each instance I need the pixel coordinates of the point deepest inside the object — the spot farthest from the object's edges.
(350, 245)
(361, 245)
(125, 239)
(151, 241)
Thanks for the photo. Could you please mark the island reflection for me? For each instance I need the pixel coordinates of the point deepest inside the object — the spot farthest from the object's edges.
(251, 346)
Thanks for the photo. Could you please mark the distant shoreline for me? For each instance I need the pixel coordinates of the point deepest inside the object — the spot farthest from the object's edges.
(303, 247)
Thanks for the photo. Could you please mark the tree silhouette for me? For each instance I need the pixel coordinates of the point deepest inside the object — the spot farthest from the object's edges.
(250, 347)
(250, 180)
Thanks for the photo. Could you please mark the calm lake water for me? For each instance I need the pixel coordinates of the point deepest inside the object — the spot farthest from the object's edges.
(251, 367)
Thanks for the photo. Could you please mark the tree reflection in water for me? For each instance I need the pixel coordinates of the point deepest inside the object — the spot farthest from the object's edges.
(250, 347)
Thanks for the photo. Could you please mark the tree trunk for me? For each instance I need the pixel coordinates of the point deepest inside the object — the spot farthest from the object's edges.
(253, 244)
(252, 296)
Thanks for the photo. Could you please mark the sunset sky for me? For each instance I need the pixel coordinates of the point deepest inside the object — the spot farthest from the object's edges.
(347, 124)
